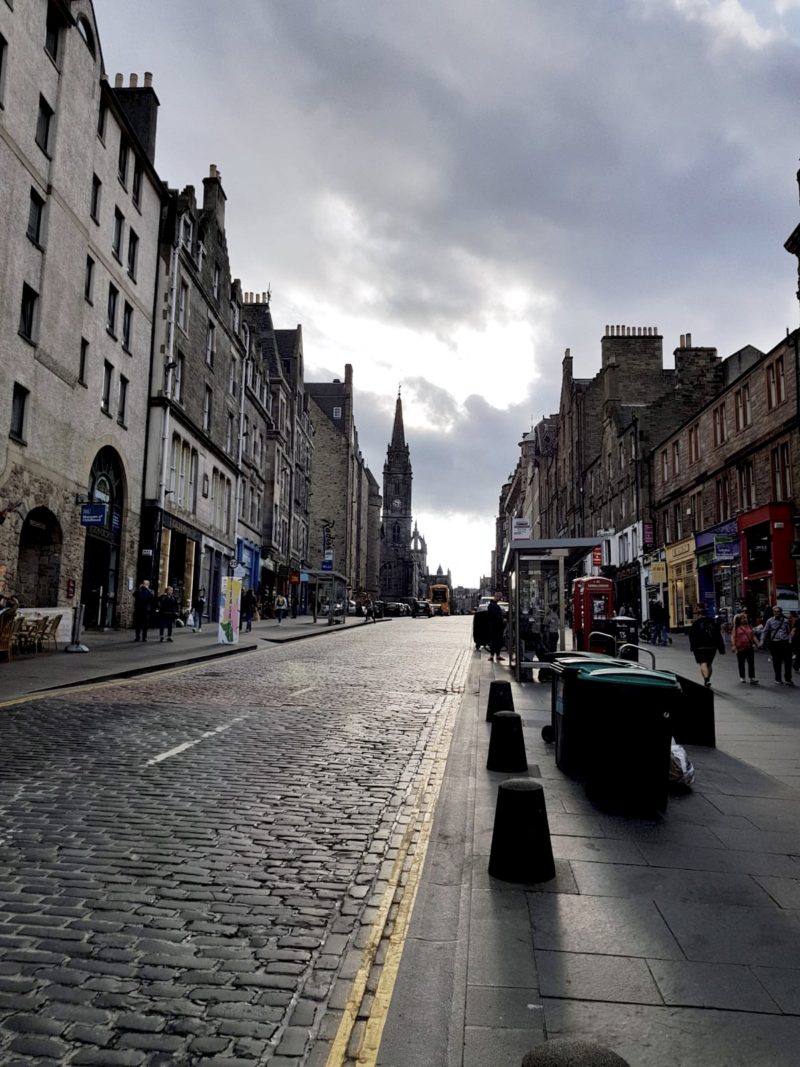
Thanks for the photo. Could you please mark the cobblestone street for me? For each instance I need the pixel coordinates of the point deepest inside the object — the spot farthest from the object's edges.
(199, 867)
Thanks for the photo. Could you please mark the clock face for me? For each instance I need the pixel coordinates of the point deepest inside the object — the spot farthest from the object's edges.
(397, 503)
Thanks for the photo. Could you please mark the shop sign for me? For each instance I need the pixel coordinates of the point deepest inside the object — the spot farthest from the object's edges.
(725, 547)
(647, 534)
(597, 556)
(93, 514)
(705, 557)
(658, 573)
(520, 530)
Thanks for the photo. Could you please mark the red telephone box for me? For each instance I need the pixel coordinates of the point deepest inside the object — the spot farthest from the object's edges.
(592, 600)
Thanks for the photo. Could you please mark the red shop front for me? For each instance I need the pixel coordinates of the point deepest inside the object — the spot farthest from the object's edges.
(769, 573)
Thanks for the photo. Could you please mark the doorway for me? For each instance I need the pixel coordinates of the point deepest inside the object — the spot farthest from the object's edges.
(99, 588)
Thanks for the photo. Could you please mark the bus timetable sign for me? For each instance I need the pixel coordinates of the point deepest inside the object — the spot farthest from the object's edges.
(93, 514)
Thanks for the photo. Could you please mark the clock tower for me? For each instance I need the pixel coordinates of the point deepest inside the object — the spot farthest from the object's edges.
(398, 577)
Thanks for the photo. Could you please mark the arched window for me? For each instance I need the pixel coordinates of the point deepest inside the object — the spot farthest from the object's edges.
(85, 30)
(396, 533)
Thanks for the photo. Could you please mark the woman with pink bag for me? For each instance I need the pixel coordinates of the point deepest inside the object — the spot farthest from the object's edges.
(744, 643)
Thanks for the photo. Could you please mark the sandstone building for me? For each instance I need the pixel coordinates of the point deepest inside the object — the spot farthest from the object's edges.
(82, 205)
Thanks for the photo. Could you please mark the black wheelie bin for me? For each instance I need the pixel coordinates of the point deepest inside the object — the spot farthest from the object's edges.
(627, 735)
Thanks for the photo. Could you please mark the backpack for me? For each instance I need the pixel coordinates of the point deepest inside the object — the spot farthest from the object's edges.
(707, 633)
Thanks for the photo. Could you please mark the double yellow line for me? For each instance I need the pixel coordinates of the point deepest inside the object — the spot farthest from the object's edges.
(417, 838)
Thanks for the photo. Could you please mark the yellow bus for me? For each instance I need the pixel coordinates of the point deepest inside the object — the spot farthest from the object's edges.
(440, 599)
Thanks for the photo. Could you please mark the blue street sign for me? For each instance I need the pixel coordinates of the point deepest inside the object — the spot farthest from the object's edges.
(327, 564)
(93, 514)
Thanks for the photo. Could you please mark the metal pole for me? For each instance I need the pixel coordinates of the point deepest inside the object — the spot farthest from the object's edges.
(77, 619)
(562, 644)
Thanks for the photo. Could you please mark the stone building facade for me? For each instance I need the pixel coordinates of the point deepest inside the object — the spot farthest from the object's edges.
(288, 458)
(196, 488)
(345, 498)
(82, 207)
(724, 487)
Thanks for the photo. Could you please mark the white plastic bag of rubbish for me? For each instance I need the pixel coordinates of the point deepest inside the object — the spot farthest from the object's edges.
(681, 768)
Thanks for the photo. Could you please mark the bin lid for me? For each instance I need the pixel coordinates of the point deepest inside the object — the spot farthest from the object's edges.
(642, 676)
(591, 665)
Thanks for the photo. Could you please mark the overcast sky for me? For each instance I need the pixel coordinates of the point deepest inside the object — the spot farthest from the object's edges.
(449, 193)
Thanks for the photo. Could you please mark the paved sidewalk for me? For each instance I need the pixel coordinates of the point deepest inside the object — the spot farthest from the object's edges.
(671, 940)
(114, 653)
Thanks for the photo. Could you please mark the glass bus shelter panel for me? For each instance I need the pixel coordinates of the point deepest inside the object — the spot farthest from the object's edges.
(538, 605)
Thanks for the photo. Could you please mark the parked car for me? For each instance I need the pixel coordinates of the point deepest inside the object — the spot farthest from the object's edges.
(424, 608)
(395, 607)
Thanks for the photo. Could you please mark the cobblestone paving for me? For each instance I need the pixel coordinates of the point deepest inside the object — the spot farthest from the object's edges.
(190, 865)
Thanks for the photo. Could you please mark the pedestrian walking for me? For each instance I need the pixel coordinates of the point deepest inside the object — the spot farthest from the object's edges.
(167, 613)
(199, 608)
(658, 617)
(744, 643)
(794, 639)
(369, 610)
(142, 607)
(248, 609)
(705, 640)
(551, 628)
(496, 625)
(280, 607)
(776, 637)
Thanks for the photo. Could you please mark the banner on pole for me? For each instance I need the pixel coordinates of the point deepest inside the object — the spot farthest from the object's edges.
(229, 601)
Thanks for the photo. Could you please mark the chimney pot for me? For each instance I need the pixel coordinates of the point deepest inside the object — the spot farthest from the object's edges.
(118, 81)
(134, 82)
(148, 79)
(688, 340)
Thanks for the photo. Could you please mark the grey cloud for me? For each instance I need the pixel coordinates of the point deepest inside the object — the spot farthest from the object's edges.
(612, 155)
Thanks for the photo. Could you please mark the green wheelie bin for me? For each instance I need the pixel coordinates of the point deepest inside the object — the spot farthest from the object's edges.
(567, 708)
(627, 735)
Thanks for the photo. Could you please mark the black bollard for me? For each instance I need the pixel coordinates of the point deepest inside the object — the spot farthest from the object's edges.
(566, 1053)
(521, 849)
(500, 699)
(506, 744)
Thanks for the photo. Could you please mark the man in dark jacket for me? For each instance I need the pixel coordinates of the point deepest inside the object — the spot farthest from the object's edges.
(705, 640)
(776, 637)
(142, 606)
(167, 613)
(496, 625)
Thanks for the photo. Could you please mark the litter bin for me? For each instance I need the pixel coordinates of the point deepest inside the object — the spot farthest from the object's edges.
(627, 735)
(568, 710)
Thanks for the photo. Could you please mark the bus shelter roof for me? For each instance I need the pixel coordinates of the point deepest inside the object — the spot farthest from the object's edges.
(319, 577)
(570, 549)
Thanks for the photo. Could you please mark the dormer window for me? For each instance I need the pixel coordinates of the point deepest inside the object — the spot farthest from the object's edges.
(187, 233)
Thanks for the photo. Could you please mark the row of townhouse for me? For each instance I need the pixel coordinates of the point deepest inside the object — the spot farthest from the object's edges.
(687, 476)
(159, 426)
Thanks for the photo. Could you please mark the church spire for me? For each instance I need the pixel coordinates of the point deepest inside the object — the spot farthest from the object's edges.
(398, 433)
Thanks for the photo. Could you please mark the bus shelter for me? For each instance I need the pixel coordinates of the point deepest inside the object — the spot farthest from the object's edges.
(539, 574)
(327, 591)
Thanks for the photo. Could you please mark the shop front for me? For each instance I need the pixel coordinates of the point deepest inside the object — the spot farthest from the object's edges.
(769, 571)
(655, 583)
(179, 557)
(718, 568)
(249, 556)
(216, 564)
(628, 590)
(681, 582)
